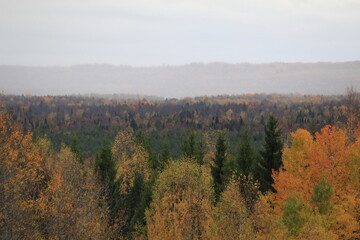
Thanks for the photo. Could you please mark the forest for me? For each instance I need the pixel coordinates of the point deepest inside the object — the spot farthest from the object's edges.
(254, 166)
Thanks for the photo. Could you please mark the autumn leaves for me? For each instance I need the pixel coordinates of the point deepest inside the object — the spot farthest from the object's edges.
(53, 195)
(319, 185)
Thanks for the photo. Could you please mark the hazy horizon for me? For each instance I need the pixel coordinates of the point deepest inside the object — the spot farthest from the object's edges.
(179, 48)
(196, 79)
(174, 65)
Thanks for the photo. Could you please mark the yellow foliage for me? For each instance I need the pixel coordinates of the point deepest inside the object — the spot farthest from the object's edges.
(71, 207)
(181, 207)
(130, 159)
(231, 219)
(22, 178)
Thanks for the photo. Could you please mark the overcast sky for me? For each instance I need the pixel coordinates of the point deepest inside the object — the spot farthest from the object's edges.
(148, 33)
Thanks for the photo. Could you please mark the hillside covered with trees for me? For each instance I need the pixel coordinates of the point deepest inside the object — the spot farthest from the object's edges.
(226, 167)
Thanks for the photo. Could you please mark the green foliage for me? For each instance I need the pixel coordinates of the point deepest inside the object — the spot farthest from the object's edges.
(165, 154)
(271, 153)
(189, 146)
(74, 147)
(145, 141)
(194, 147)
(217, 170)
(245, 157)
(321, 197)
(293, 218)
(133, 201)
(200, 151)
(106, 169)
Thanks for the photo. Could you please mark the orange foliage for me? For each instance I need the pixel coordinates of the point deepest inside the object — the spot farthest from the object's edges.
(309, 161)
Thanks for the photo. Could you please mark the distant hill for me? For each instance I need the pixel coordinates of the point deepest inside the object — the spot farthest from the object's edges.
(180, 81)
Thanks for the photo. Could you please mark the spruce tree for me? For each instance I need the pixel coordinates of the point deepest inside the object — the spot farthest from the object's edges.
(217, 170)
(199, 151)
(145, 141)
(165, 154)
(133, 200)
(271, 153)
(245, 156)
(74, 147)
(107, 173)
(189, 146)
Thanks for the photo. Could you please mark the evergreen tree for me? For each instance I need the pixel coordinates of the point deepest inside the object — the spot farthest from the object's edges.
(107, 173)
(217, 170)
(199, 151)
(271, 153)
(144, 141)
(189, 146)
(245, 157)
(165, 154)
(74, 147)
(134, 125)
(133, 199)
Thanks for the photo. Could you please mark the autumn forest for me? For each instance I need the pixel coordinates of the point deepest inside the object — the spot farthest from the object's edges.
(253, 166)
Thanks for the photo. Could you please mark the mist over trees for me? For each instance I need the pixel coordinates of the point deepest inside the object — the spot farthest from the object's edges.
(182, 81)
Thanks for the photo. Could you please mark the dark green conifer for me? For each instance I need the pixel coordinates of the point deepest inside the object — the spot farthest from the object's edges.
(271, 153)
(245, 156)
(217, 170)
(107, 173)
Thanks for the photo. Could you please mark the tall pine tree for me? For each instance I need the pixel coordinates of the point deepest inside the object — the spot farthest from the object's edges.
(245, 156)
(200, 151)
(165, 154)
(271, 153)
(217, 170)
(189, 146)
(107, 173)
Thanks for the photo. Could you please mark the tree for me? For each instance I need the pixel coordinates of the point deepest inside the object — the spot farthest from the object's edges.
(74, 147)
(217, 170)
(134, 173)
(321, 197)
(165, 154)
(106, 170)
(293, 217)
(321, 173)
(189, 146)
(22, 179)
(200, 151)
(144, 141)
(130, 158)
(231, 218)
(182, 203)
(245, 157)
(353, 111)
(71, 206)
(271, 153)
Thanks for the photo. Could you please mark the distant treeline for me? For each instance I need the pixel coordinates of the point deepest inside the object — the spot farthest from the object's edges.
(97, 119)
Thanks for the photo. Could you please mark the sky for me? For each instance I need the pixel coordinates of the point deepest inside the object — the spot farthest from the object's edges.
(169, 32)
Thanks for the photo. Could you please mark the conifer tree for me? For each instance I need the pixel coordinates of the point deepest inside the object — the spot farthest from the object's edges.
(217, 170)
(107, 173)
(245, 157)
(271, 153)
(200, 151)
(189, 146)
(74, 147)
(144, 141)
(165, 154)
